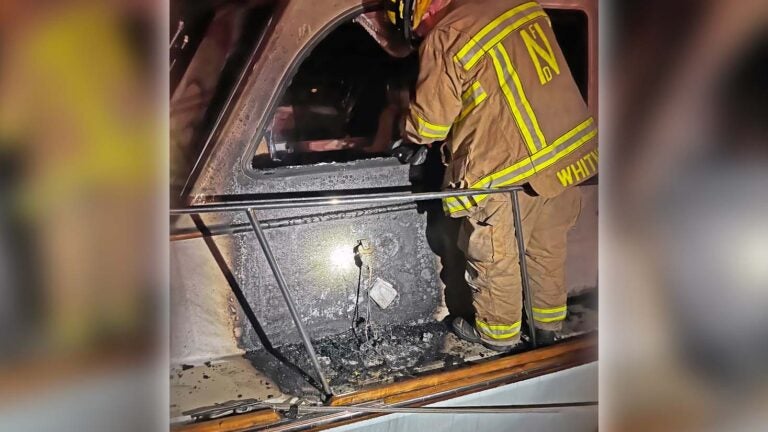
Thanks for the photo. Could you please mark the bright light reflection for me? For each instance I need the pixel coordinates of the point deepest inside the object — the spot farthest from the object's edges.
(342, 258)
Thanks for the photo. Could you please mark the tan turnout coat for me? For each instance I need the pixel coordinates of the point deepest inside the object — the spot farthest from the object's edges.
(494, 85)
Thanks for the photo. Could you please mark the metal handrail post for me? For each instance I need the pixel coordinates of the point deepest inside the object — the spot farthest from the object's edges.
(288, 298)
(527, 301)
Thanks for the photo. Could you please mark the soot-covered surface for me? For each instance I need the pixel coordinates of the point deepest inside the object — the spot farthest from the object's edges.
(391, 353)
(350, 361)
(320, 268)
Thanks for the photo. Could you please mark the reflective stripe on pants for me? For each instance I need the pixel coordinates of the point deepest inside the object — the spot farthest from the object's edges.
(493, 268)
(550, 314)
(498, 331)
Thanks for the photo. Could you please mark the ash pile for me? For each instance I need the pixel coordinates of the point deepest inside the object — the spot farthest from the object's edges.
(361, 356)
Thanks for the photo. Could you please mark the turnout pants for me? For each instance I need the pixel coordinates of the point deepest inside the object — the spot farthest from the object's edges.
(487, 238)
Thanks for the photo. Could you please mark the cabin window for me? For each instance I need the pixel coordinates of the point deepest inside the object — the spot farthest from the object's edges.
(345, 100)
(342, 105)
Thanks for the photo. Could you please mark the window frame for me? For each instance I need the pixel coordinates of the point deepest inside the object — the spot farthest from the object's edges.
(282, 87)
(278, 171)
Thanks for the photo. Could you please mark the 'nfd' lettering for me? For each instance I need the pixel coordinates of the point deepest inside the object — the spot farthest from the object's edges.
(540, 52)
(578, 171)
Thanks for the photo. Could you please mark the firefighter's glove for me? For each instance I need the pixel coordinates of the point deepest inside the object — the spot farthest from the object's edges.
(406, 152)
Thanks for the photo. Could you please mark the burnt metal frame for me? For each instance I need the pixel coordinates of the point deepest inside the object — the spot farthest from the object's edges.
(250, 206)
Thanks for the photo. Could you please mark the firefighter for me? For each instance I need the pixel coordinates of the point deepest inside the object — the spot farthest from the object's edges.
(494, 86)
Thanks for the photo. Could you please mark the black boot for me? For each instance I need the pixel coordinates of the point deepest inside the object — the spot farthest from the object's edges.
(546, 337)
(469, 333)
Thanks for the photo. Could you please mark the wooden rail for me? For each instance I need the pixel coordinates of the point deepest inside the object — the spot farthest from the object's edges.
(236, 423)
(505, 365)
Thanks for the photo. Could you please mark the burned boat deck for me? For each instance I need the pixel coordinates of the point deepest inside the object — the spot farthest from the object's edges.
(422, 390)
(391, 353)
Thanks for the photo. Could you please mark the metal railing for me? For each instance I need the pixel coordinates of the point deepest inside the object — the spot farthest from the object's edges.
(249, 207)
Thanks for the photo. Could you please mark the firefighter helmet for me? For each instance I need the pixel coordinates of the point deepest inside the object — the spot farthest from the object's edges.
(406, 15)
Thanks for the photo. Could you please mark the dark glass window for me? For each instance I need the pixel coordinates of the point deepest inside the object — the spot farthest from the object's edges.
(342, 104)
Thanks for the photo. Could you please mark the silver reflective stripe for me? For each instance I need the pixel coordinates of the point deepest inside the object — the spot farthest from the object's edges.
(475, 91)
(497, 30)
(518, 103)
(454, 204)
(471, 99)
(565, 145)
(498, 331)
(550, 315)
(430, 130)
(426, 130)
(538, 315)
(509, 175)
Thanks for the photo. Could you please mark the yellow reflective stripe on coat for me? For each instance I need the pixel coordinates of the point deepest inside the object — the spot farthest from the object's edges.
(518, 102)
(566, 144)
(550, 315)
(498, 331)
(471, 99)
(495, 31)
(431, 130)
(512, 174)
(526, 167)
